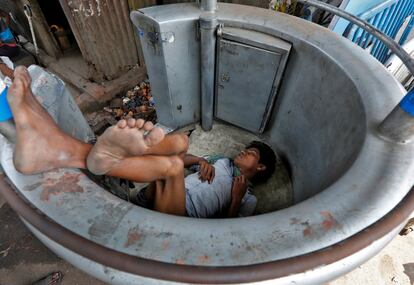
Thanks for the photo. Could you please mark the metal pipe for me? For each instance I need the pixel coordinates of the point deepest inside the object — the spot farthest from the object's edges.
(388, 41)
(29, 15)
(209, 5)
(208, 24)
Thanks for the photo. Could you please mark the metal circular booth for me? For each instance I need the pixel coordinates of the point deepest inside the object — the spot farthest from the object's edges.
(328, 109)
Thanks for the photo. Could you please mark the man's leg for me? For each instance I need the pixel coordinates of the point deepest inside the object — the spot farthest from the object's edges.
(167, 172)
(172, 144)
(129, 139)
(40, 144)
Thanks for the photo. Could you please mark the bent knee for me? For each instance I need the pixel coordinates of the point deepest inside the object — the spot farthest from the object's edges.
(175, 166)
(181, 143)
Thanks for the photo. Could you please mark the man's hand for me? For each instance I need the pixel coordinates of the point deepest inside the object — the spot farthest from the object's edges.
(207, 171)
(238, 190)
(6, 71)
(239, 187)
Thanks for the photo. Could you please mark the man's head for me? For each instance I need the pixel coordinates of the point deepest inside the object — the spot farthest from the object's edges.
(256, 162)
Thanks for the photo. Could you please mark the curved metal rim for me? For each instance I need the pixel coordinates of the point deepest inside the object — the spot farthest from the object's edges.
(205, 274)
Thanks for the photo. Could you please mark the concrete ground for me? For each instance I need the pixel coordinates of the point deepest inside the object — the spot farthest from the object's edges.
(24, 259)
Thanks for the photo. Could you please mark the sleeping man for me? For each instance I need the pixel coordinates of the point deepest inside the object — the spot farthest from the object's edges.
(138, 151)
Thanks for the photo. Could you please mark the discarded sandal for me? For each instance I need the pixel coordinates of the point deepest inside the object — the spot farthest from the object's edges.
(54, 278)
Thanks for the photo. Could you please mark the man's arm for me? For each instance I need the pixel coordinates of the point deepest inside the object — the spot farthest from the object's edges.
(238, 191)
(190, 160)
(5, 70)
(207, 171)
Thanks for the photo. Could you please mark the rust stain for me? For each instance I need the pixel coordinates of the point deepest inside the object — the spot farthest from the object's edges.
(203, 259)
(32, 186)
(294, 221)
(165, 244)
(329, 222)
(133, 237)
(67, 183)
(307, 232)
(180, 261)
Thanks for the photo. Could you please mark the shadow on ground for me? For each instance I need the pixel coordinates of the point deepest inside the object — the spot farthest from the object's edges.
(24, 259)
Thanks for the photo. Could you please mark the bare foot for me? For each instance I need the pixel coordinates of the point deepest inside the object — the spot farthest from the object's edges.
(126, 139)
(40, 145)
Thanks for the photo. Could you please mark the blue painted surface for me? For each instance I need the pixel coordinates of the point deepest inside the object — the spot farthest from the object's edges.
(6, 36)
(407, 103)
(355, 7)
(5, 112)
(386, 15)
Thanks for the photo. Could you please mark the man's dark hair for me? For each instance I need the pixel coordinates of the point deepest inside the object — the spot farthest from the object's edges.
(267, 158)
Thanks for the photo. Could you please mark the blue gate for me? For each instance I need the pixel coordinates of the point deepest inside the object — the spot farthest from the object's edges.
(392, 17)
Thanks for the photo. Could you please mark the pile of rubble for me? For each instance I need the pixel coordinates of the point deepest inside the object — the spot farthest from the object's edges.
(137, 103)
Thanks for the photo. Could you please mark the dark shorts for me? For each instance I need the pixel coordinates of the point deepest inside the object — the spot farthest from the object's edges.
(143, 202)
(9, 50)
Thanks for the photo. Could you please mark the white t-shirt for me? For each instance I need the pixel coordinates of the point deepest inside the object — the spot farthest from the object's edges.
(205, 200)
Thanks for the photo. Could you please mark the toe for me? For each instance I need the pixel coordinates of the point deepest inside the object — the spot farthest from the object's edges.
(121, 124)
(140, 123)
(22, 73)
(148, 126)
(131, 122)
(16, 91)
(154, 137)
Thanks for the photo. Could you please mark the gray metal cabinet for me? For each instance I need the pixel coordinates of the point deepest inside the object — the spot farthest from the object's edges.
(249, 69)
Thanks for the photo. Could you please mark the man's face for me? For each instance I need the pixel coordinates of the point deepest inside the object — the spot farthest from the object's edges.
(248, 160)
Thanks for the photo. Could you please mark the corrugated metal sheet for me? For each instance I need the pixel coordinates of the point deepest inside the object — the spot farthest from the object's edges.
(138, 4)
(257, 3)
(104, 34)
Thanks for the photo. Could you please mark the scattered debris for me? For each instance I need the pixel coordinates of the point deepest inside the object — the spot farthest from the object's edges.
(5, 252)
(136, 103)
(408, 228)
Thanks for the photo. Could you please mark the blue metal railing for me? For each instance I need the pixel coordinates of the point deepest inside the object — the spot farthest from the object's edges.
(388, 17)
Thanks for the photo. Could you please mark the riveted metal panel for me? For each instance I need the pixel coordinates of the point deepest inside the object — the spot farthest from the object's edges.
(249, 69)
(104, 34)
(240, 68)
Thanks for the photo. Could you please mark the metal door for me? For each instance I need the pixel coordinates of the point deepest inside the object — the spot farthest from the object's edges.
(247, 78)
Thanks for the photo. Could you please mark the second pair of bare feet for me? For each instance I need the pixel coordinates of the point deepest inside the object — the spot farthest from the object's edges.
(42, 146)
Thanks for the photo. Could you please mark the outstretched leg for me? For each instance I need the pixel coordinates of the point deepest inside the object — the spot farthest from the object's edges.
(40, 144)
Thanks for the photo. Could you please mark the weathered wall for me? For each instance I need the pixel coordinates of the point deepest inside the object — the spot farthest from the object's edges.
(105, 36)
(258, 3)
(138, 4)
